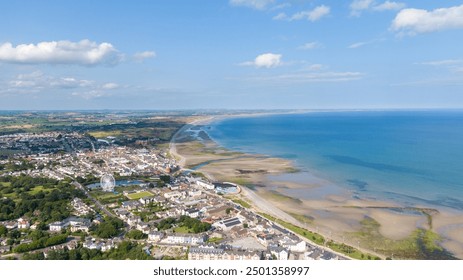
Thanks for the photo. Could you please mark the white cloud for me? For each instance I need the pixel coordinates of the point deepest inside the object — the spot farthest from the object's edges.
(110, 86)
(38, 82)
(312, 15)
(84, 52)
(313, 77)
(256, 4)
(388, 6)
(357, 45)
(310, 46)
(281, 6)
(141, 56)
(364, 43)
(413, 21)
(357, 6)
(91, 94)
(445, 62)
(280, 16)
(267, 60)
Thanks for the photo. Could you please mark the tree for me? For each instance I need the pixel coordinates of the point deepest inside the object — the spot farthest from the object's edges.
(136, 234)
(14, 234)
(109, 228)
(3, 230)
(33, 256)
(165, 178)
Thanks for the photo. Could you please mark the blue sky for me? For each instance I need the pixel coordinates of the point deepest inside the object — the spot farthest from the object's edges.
(233, 54)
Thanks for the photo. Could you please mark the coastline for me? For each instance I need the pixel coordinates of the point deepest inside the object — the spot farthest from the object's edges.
(377, 226)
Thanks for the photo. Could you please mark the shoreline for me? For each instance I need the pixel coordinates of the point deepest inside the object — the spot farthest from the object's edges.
(337, 216)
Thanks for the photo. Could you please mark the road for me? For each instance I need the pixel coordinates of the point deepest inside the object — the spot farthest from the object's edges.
(97, 203)
(18, 255)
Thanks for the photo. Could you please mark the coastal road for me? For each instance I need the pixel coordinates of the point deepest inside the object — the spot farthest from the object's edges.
(268, 208)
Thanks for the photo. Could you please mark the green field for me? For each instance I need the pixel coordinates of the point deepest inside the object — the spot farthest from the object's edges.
(242, 203)
(139, 195)
(36, 190)
(183, 229)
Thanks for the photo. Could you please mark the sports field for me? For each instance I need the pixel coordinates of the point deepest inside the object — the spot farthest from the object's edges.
(139, 195)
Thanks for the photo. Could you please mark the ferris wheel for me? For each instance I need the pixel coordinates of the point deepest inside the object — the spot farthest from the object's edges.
(107, 182)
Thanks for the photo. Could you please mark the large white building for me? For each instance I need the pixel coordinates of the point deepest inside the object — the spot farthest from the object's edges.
(206, 185)
(74, 223)
(190, 239)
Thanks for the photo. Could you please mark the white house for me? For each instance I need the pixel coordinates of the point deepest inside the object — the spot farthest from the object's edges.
(191, 212)
(23, 223)
(295, 246)
(155, 236)
(74, 223)
(280, 253)
(174, 194)
(206, 185)
(191, 239)
(57, 226)
(194, 193)
(133, 220)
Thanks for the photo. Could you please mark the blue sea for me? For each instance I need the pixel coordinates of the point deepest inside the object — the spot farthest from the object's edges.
(415, 158)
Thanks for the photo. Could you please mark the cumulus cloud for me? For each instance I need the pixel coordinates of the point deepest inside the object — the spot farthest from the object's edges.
(256, 4)
(358, 6)
(413, 21)
(310, 15)
(84, 52)
(389, 6)
(266, 60)
(310, 46)
(38, 82)
(280, 16)
(110, 86)
(141, 56)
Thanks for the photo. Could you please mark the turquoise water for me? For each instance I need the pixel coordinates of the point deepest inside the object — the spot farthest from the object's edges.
(415, 158)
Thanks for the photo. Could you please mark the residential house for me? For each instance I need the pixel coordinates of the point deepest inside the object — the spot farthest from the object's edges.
(11, 224)
(227, 224)
(293, 244)
(155, 236)
(23, 223)
(131, 204)
(147, 200)
(133, 220)
(191, 212)
(279, 252)
(190, 239)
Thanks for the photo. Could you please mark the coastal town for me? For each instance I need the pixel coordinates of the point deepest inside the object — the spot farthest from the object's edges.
(154, 209)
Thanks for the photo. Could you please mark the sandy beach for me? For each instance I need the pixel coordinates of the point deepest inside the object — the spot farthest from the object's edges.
(382, 227)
